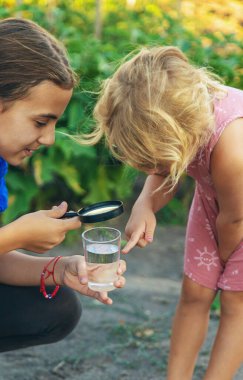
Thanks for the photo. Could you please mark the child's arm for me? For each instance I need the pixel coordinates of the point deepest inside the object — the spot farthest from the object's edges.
(38, 231)
(227, 174)
(142, 222)
(20, 269)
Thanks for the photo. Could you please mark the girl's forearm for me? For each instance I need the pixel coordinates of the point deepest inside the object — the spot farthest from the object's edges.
(156, 200)
(8, 238)
(17, 268)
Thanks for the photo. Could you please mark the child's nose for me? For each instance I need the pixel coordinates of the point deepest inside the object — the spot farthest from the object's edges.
(47, 137)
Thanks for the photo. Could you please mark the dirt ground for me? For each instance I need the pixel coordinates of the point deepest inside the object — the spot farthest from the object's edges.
(126, 341)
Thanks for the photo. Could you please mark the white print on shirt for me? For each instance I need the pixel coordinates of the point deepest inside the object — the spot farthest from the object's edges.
(201, 158)
(224, 283)
(206, 258)
(207, 180)
(191, 239)
(209, 229)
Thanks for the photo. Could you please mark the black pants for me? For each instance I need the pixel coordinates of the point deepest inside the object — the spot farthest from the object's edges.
(28, 319)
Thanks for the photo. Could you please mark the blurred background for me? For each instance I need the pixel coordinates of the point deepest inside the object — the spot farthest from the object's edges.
(97, 35)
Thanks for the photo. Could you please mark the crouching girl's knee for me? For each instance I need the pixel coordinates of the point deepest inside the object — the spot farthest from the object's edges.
(65, 315)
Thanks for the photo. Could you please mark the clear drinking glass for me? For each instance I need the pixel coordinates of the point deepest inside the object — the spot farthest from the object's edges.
(102, 254)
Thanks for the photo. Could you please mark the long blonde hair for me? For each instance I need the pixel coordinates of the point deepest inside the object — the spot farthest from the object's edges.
(156, 111)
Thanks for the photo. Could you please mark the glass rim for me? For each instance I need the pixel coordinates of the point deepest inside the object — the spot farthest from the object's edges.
(103, 241)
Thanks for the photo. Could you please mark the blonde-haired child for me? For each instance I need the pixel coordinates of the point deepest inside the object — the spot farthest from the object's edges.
(164, 116)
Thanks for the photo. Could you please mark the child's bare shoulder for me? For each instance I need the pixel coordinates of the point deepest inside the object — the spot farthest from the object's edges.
(230, 143)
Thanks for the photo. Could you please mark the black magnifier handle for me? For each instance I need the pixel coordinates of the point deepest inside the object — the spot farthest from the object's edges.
(70, 214)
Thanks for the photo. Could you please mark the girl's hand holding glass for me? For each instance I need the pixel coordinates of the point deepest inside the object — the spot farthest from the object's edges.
(72, 272)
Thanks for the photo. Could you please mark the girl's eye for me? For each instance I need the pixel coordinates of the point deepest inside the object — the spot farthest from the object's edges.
(41, 123)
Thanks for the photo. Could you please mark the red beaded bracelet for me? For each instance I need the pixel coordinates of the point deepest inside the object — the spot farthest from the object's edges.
(43, 278)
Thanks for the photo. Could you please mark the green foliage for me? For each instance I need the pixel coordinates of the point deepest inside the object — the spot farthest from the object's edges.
(176, 211)
(83, 175)
(216, 306)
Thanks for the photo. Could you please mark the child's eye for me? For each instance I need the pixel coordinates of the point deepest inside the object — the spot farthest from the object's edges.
(41, 123)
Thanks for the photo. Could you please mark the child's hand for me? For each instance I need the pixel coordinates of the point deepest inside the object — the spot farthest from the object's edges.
(140, 228)
(42, 230)
(71, 271)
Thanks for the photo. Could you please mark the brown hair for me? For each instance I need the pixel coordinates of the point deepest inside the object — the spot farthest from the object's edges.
(156, 111)
(30, 55)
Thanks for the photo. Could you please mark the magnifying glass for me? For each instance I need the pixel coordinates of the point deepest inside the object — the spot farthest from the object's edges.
(98, 212)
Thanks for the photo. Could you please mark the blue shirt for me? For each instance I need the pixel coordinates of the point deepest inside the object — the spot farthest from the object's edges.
(3, 187)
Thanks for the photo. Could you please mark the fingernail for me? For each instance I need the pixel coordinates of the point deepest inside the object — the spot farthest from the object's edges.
(83, 280)
(62, 205)
(149, 238)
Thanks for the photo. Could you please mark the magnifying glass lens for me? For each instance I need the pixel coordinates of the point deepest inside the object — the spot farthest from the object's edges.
(99, 210)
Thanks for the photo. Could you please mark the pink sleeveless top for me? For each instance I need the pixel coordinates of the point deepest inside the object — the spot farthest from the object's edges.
(201, 252)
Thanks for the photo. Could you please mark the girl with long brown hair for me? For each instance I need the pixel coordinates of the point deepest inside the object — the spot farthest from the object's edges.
(36, 84)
